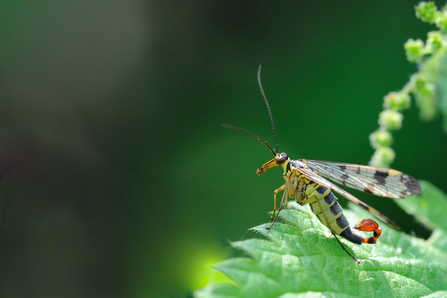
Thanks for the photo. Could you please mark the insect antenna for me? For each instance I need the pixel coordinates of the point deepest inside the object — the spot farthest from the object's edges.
(268, 107)
(250, 133)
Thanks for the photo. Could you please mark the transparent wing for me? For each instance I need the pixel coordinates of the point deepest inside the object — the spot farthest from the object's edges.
(309, 174)
(377, 181)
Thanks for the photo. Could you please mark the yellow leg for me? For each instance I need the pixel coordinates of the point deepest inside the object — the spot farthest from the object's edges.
(274, 199)
(275, 214)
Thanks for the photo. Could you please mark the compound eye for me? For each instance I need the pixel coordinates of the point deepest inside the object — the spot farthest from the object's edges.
(282, 158)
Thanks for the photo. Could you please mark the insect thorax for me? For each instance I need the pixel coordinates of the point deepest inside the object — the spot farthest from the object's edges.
(298, 186)
(303, 189)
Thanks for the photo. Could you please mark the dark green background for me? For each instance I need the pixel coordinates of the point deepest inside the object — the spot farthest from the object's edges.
(120, 181)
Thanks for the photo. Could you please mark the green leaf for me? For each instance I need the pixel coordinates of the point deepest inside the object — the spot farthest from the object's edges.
(302, 259)
(429, 207)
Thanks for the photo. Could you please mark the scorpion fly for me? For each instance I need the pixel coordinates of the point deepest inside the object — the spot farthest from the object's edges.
(305, 181)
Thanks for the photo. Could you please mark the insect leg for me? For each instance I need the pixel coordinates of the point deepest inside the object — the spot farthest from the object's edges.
(332, 231)
(275, 214)
(274, 199)
(369, 225)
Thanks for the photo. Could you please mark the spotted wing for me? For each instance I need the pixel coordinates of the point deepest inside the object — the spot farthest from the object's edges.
(309, 174)
(377, 181)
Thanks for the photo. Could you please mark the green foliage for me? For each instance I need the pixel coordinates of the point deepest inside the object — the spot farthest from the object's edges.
(302, 259)
(390, 119)
(428, 12)
(413, 49)
(428, 85)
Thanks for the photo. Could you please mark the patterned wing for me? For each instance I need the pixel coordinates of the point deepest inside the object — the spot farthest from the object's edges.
(309, 174)
(377, 181)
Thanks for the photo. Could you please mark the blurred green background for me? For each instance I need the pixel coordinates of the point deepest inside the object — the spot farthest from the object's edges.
(119, 180)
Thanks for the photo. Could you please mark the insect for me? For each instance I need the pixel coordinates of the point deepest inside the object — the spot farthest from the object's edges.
(305, 181)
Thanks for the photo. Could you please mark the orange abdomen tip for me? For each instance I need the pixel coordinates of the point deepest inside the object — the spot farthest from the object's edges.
(367, 225)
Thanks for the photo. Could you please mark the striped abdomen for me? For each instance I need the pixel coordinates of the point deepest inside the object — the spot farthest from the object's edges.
(334, 218)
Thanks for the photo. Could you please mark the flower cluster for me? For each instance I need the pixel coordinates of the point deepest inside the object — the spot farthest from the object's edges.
(422, 85)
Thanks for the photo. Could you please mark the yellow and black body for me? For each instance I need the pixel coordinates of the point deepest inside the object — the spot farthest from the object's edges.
(323, 203)
(305, 181)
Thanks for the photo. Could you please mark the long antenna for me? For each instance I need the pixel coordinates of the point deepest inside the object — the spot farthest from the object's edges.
(250, 133)
(268, 107)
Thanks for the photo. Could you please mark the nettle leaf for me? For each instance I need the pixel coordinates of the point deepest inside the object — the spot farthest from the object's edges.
(302, 259)
(430, 208)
